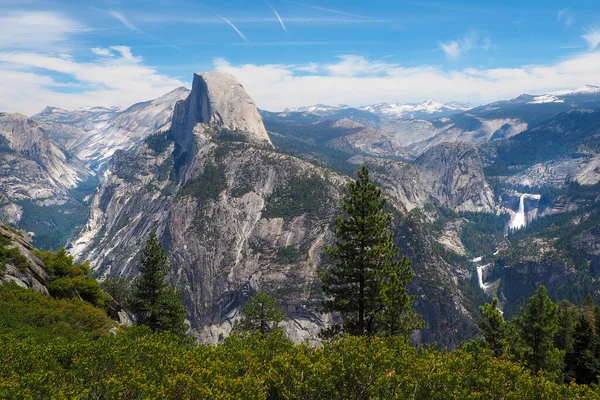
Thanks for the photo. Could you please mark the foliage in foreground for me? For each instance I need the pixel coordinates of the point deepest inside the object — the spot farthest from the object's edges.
(25, 313)
(139, 364)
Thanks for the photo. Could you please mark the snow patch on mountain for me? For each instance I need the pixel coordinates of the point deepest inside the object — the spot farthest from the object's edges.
(410, 110)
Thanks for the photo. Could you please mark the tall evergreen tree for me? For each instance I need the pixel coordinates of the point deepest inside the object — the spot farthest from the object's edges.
(367, 281)
(538, 327)
(493, 327)
(581, 363)
(568, 315)
(260, 315)
(155, 303)
(588, 310)
(396, 316)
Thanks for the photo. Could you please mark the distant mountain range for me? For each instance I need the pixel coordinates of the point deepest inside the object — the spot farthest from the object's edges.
(425, 110)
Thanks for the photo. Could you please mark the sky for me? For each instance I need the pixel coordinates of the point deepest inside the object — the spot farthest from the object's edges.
(286, 53)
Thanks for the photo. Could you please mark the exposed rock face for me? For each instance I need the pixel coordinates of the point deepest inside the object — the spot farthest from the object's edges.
(237, 217)
(32, 165)
(450, 174)
(364, 139)
(94, 134)
(38, 179)
(33, 275)
(219, 100)
(454, 174)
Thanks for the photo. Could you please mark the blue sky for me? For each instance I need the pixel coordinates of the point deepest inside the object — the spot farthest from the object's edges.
(289, 53)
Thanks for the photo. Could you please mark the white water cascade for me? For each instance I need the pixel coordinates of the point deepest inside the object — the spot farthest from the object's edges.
(518, 220)
(480, 276)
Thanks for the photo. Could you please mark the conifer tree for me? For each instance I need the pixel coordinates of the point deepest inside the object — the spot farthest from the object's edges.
(260, 315)
(538, 326)
(581, 363)
(155, 303)
(367, 283)
(396, 316)
(493, 327)
(568, 315)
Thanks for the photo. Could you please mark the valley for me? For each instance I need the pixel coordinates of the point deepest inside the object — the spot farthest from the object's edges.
(243, 205)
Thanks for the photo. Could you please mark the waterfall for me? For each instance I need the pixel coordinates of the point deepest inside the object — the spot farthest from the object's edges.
(518, 220)
(480, 276)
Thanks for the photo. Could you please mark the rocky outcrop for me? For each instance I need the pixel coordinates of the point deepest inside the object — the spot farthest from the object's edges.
(365, 139)
(450, 175)
(217, 99)
(453, 173)
(29, 271)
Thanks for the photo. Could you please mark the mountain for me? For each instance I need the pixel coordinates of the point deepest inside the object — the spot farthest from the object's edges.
(565, 147)
(319, 109)
(425, 110)
(450, 175)
(504, 119)
(94, 134)
(417, 127)
(236, 217)
(39, 181)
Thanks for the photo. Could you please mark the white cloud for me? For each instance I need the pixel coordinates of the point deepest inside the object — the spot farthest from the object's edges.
(357, 81)
(353, 65)
(117, 77)
(593, 38)
(101, 52)
(452, 49)
(33, 30)
(456, 48)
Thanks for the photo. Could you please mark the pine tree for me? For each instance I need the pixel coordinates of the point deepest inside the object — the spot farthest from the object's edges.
(260, 315)
(396, 316)
(588, 310)
(155, 303)
(568, 315)
(581, 363)
(538, 327)
(493, 327)
(367, 282)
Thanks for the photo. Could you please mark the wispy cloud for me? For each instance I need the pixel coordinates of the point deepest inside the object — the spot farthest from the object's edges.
(460, 47)
(592, 37)
(353, 65)
(101, 52)
(566, 16)
(36, 29)
(325, 9)
(277, 15)
(116, 77)
(129, 25)
(235, 28)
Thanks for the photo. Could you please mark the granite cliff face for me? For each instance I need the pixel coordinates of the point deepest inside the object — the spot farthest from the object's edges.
(237, 217)
(34, 166)
(218, 100)
(37, 180)
(450, 175)
(94, 134)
